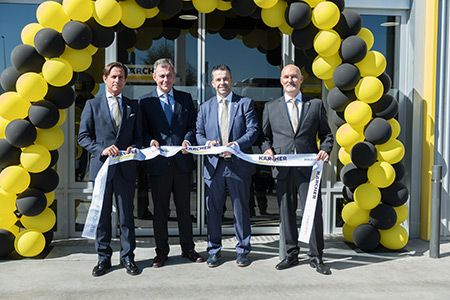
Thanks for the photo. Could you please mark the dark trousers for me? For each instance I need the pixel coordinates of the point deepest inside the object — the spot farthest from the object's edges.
(162, 187)
(123, 190)
(289, 189)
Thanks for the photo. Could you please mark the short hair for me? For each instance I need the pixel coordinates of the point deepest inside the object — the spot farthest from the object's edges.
(107, 69)
(163, 63)
(221, 68)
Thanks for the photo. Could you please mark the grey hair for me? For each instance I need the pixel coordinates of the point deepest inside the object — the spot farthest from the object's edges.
(164, 63)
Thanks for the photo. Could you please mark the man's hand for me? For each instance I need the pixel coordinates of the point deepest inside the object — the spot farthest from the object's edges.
(213, 143)
(322, 155)
(111, 151)
(154, 144)
(270, 153)
(228, 153)
(184, 144)
(129, 149)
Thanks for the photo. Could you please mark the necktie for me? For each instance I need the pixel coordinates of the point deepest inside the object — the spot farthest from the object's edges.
(224, 119)
(293, 112)
(117, 116)
(168, 108)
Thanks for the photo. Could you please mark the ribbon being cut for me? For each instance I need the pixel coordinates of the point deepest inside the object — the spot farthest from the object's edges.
(288, 160)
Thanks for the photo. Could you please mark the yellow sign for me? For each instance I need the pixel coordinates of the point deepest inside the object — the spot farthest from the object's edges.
(140, 73)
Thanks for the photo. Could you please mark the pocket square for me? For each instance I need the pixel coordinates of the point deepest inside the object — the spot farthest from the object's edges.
(132, 115)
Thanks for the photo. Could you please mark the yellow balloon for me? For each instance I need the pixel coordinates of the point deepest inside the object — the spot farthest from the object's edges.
(35, 158)
(265, 3)
(395, 128)
(14, 179)
(31, 86)
(325, 15)
(353, 215)
(51, 138)
(392, 151)
(79, 60)
(274, 16)
(62, 117)
(29, 243)
(347, 136)
(323, 67)
(79, 10)
(358, 113)
(96, 89)
(347, 231)
(50, 197)
(7, 219)
(402, 213)
(152, 12)
(344, 156)
(51, 14)
(205, 6)
(57, 71)
(28, 33)
(133, 15)
(92, 49)
(42, 222)
(394, 238)
(13, 106)
(367, 196)
(313, 3)
(367, 36)
(373, 64)
(327, 42)
(107, 12)
(7, 202)
(224, 5)
(381, 174)
(3, 124)
(369, 89)
(285, 28)
(329, 84)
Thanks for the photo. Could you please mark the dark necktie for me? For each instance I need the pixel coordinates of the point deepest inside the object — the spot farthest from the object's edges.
(168, 108)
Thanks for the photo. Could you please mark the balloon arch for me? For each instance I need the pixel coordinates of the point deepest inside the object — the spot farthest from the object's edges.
(68, 33)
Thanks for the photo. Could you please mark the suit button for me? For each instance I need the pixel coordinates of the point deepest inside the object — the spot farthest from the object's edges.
(170, 132)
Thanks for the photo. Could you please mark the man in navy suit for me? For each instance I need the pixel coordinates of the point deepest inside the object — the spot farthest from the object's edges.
(290, 126)
(229, 120)
(169, 120)
(111, 123)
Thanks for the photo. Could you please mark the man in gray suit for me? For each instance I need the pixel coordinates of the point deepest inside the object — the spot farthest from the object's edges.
(290, 126)
(111, 123)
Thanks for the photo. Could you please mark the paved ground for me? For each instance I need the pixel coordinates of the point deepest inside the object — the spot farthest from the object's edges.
(64, 272)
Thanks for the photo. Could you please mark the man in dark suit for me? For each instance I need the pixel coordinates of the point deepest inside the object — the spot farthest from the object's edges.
(290, 126)
(229, 120)
(169, 120)
(111, 123)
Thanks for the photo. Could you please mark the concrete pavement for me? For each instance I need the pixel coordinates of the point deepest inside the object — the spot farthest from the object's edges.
(64, 272)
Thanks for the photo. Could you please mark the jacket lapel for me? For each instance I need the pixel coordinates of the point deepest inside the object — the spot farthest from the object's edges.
(214, 109)
(233, 109)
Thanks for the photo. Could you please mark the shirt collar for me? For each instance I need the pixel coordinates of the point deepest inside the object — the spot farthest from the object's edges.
(109, 95)
(298, 97)
(229, 97)
(160, 93)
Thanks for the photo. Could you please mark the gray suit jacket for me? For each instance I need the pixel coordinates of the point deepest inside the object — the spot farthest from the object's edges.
(279, 136)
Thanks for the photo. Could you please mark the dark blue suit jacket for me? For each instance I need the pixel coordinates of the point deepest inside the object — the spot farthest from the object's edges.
(97, 132)
(156, 127)
(243, 129)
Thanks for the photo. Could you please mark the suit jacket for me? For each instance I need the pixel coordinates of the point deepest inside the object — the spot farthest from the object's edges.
(279, 136)
(156, 127)
(97, 132)
(243, 129)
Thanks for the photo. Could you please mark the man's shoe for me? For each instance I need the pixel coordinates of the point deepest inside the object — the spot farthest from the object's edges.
(213, 260)
(159, 260)
(320, 267)
(101, 268)
(287, 262)
(242, 260)
(131, 267)
(193, 256)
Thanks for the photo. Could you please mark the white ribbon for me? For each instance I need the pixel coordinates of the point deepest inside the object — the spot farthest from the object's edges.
(288, 160)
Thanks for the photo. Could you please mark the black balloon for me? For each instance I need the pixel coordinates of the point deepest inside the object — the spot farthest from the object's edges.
(6, 242)
(399, 170)
(300, 58)
(386, 107)
(62, 97)
(378, 131)
(43, 114)
(298, 15)
(366, 237)
(338, 100)
(127, 38)
(54, 154)
(49, 43)
(346, 76)
(48, 237)
(170, 7)
(77, 35)
(25, 59)
(353, 49)
(350, 23)
(311, 53)
(119, 27)
(9, 78)
(9, 155)
(352, 176)
(271, 39)
(274, 56)
(386, 81)
(383, 216)
(243, 7)
(31, 202)
(147, 4)
(46, 181)
(337, 118)
(347, 193)
(395, 195)
(303, 38)
(102, 37)
(20, 133)
(363, 154)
